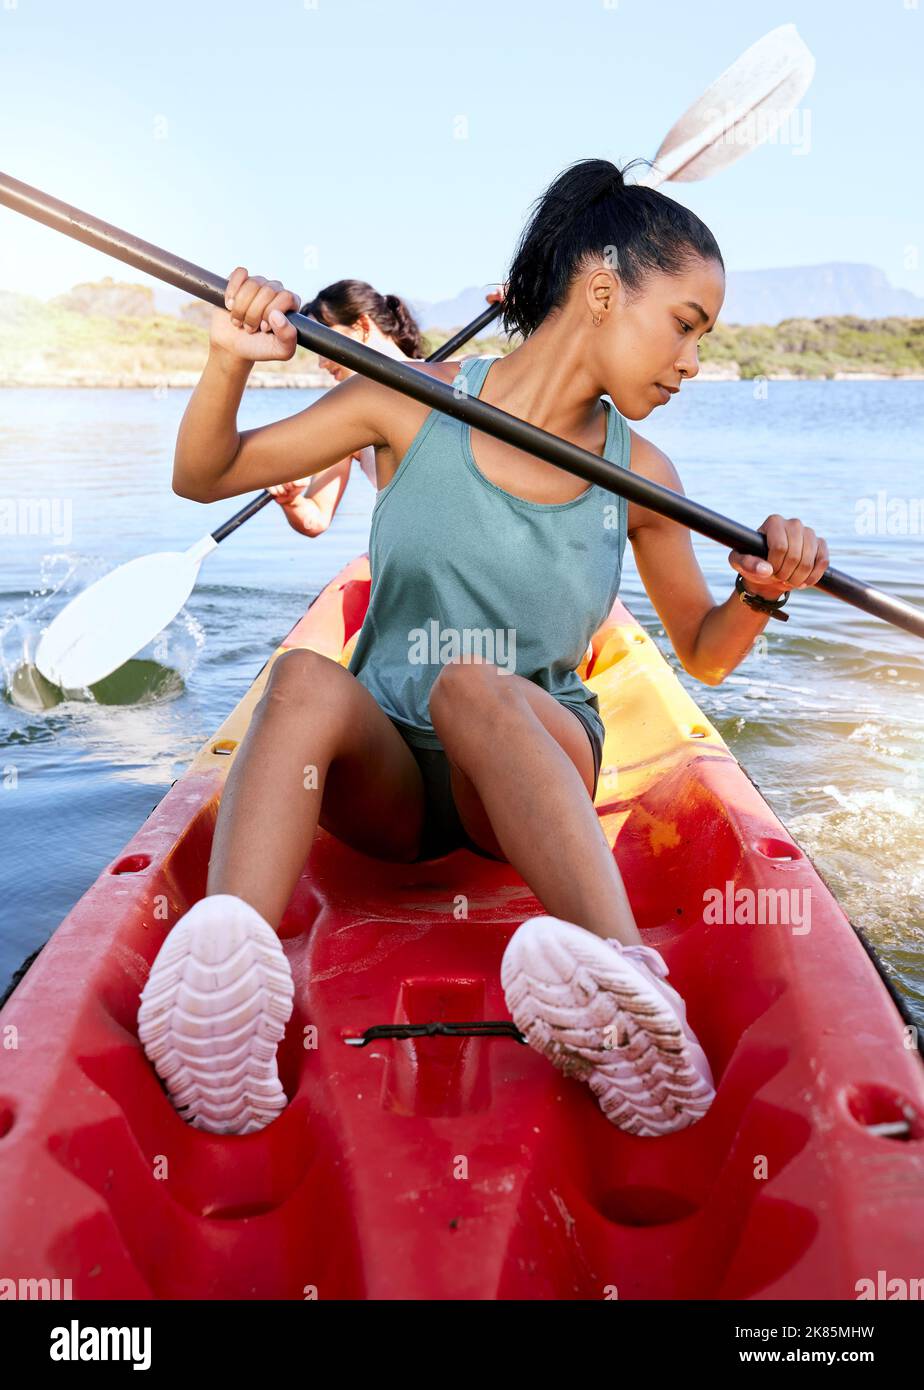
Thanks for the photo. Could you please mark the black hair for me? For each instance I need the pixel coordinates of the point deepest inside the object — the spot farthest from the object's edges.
(344, 301)
(590, 212)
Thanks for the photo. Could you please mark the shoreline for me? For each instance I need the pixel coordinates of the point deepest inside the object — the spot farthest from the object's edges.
(161, 381)
(315, 381)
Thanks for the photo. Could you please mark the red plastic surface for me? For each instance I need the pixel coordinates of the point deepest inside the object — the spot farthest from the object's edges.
(465, 1168)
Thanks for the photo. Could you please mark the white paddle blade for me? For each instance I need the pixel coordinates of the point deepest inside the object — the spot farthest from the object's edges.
(106, 624)
(742, 109)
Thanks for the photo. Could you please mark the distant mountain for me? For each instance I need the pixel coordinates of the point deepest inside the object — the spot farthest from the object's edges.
(451, 313)
(816, 291)
(752, 296)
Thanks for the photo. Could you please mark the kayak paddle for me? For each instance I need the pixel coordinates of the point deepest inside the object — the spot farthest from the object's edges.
(743, 108)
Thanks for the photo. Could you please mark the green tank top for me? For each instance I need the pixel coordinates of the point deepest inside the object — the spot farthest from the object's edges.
(462, 570)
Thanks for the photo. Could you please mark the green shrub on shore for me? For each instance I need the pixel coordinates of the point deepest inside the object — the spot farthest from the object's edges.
(819, 347)
(86, 336)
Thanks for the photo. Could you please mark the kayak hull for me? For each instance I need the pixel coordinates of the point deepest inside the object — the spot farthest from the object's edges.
(444, 1167)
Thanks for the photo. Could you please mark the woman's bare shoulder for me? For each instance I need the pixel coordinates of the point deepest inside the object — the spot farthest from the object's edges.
(443, 371)
(395, 410)
(650, 462)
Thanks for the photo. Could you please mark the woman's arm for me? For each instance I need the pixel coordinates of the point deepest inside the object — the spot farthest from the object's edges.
(311, 512)
(213, 460)
(712, 639)
(797, 559)
(327, 488)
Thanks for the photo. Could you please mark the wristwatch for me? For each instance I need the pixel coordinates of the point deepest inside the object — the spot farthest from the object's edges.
(769, 606)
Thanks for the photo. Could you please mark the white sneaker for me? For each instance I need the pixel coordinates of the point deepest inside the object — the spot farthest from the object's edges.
(601, 1012)
(212, 1013)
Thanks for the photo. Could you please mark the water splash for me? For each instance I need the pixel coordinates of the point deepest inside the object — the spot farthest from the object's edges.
(870, 849)
(156, 673)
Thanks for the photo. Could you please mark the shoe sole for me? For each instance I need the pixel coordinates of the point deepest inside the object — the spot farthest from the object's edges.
(213, 1011)
(595, 1018)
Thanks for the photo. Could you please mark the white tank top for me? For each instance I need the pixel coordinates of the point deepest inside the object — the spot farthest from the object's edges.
(367, 463)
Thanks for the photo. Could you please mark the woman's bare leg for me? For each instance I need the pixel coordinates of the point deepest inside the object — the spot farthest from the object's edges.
(522, 774)
(319, 750)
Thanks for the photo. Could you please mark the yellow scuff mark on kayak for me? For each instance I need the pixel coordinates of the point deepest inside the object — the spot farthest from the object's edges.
(662, 834)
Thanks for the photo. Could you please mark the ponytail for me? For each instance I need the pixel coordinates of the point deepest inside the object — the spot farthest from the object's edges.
(590, 213)
(406, 332)
(345, 300)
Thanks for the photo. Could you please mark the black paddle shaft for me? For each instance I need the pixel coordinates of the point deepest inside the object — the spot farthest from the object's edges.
(477, 414)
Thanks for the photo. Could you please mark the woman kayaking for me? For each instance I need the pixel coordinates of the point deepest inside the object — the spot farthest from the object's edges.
(382, 322)
(486, 738)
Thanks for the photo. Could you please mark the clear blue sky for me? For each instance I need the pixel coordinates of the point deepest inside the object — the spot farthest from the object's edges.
(310, 141)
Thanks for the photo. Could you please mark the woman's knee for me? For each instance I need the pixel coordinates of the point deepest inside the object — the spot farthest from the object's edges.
(300, 679)
(463, 688)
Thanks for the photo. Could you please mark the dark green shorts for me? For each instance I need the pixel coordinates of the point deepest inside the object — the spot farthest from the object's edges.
(443, 830)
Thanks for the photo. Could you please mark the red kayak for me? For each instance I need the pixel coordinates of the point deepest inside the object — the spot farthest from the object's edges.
(426, 1152)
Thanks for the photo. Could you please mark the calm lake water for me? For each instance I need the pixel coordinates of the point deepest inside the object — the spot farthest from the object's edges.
(827, 715)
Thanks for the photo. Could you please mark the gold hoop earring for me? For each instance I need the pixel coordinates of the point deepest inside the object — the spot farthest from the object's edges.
(596, 320)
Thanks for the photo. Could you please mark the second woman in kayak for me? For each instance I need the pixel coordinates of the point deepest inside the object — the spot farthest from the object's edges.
(423, 747)
(380, 321)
